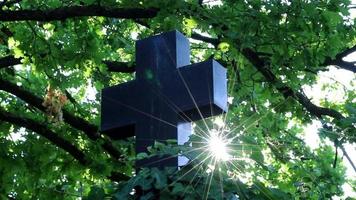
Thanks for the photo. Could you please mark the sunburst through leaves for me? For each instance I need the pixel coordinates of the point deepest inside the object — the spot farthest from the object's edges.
(218, 145)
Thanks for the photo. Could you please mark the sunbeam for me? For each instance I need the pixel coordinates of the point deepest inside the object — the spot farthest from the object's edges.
(217, 145)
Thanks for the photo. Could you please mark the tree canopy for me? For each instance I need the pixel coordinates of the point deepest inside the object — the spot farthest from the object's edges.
(56, 56)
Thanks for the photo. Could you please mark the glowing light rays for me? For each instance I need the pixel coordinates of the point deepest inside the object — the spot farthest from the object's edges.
(218, 146)
(216, 151)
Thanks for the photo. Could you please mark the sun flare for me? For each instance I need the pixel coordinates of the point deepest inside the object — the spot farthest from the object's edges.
(218, 146)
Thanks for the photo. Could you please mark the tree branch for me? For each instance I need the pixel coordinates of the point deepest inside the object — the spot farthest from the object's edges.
(346, 52)
(287, 91)
(317, 110)
(115, 66)
(116, 176)
(212, 41)
(76, 11)
(46, 133)
(55, 139)
(335, 158)
(339, 62)
(33, 100)
(313, 109)
(8, 61)
(348, 157)
(76, 122)
(200, 2)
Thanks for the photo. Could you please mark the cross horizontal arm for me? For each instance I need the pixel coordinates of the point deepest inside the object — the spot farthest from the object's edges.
(203, 93)
(118, 110)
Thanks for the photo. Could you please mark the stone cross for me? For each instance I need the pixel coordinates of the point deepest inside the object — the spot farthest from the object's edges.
(166, 96)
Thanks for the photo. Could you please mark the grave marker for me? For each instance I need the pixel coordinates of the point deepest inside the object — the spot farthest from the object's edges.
(162, 101)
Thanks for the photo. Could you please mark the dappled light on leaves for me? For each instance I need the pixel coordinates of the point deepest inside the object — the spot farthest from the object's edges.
(275, 53)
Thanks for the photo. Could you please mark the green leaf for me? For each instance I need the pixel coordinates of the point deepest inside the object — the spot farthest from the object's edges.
(160, 178)
(96, 193)
(178, 188)
(333, 18)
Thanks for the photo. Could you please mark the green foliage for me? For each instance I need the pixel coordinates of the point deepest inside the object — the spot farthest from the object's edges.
(266, 136)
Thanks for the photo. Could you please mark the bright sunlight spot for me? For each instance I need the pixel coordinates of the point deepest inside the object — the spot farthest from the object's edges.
(218, 146)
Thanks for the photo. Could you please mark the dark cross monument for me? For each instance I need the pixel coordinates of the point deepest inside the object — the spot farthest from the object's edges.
(167, 95)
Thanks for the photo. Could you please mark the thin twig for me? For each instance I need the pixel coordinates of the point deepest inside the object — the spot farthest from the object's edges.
(348, 157)
(336, 152)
